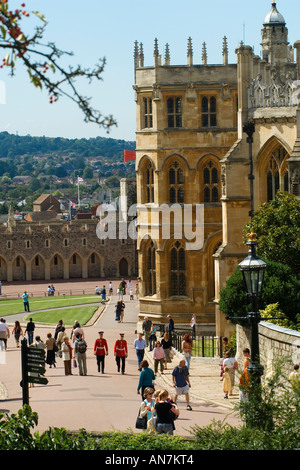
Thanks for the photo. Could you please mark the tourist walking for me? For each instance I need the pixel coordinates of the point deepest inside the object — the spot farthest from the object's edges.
(181, 382)
(164, 409)
(146, 378)
(100, 351)
(227, 387)
(193, 324)
(58, 329)
(120, 291)
(60, 339)
(77, 330)
(66, 350)
(152, 337)
(50, 357)
(231, 363)
(30, 327)
(139, 346)
(121, 353)
(4, 334)
(166, 343)
(170, 327)
(103, 293)
(158, 357)
(187, 347)
(119, 311)
(244, 381)
(146, 327)
(25, 298)
(17, 332)
(80, 347)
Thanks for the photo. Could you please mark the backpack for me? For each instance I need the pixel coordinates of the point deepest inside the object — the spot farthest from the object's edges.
(81, 346)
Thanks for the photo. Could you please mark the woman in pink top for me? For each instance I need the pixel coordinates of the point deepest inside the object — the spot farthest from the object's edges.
(159, 357)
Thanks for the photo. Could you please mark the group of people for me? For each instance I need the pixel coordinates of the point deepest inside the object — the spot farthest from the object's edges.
(157, 407)
(127, 287)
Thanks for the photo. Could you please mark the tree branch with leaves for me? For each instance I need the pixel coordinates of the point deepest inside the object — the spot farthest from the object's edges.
(43, 62)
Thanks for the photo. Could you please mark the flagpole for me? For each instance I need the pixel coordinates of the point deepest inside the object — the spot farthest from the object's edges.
(78, 192)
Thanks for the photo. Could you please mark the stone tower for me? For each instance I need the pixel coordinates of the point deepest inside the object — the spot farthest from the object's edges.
(191, 150)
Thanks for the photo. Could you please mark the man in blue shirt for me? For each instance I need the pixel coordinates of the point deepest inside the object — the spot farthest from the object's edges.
(181, 382)
(139, 346)
(25, 298)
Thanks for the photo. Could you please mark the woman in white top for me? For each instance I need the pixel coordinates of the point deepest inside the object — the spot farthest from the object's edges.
(66, 350)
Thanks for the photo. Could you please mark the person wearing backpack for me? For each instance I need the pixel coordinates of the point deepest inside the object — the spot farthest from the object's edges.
(80, 347)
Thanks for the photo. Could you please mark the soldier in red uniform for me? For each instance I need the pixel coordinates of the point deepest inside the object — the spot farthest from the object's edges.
(121, 352)
(100, 351)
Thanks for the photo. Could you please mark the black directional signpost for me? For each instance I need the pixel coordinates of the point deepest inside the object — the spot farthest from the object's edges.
(33, 366)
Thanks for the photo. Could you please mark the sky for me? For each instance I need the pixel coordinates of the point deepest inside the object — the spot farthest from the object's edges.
(93, 29)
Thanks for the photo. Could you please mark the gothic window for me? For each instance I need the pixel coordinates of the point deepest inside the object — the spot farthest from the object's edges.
(93, 259)
(148, 120)
(174, 111)
(37, 261)
(209, 111)
(176, 184)
(55, 260)
(149, 183)
(277, 173)
(178, 269)
(74, 259)
(211, 182)
(151, 270)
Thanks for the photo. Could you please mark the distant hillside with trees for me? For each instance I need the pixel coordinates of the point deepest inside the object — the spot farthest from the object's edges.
(12, 146)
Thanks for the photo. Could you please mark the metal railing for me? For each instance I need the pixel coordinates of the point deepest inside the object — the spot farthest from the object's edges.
(203, 346)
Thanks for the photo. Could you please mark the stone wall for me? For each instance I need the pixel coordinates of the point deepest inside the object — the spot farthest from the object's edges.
(274, 342)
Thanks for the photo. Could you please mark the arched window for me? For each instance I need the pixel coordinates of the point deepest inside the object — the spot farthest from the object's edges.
(209, 111)
(176, 184)
(151, 270)
(149, 176)
(174, 112)
(277, 173)
(178, 269)
(211, 182)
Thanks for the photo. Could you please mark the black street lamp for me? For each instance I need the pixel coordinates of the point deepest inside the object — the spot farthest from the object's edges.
(253, 270)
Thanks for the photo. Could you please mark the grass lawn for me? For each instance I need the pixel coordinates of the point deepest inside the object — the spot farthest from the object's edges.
(68, 315)
(10, 307)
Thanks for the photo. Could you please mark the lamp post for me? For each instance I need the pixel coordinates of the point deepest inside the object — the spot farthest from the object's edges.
(253, 271)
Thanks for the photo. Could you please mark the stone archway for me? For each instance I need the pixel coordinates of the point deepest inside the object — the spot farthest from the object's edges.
(37, 268)
(123, 267)
(56, 267)
(75, 266)
(19, 269)
(3, 269)
(94, 265)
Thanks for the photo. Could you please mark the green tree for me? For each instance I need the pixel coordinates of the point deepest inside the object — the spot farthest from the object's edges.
(280, 286)
(277, 226)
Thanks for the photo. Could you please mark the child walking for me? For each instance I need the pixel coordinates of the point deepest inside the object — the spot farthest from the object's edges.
(226, 382)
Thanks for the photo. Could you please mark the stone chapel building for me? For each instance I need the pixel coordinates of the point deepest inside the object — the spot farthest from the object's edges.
(193, 150)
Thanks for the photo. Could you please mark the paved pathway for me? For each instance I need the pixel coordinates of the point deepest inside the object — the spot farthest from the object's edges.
(110, 401)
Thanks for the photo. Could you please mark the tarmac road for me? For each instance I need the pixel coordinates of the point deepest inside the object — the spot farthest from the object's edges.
(103, 402)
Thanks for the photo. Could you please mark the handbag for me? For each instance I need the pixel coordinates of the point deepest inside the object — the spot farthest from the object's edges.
(141, 422)
(74, 363)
